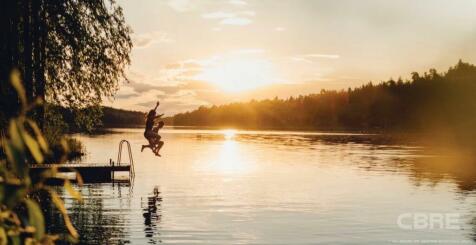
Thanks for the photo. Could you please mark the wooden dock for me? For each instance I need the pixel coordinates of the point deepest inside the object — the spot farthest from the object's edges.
(90, 172)
(93, 172)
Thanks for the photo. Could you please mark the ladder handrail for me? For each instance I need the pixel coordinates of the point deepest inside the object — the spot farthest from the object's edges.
(119, 155)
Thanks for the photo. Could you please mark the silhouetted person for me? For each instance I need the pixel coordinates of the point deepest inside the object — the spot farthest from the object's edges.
(150, 134)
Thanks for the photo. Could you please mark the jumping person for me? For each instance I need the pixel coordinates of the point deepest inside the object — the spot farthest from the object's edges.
(150, 134)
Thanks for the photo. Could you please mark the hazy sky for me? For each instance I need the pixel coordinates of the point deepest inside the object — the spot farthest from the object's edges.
(201, 52)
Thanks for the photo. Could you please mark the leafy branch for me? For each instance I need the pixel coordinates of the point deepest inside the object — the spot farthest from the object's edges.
(21, 218)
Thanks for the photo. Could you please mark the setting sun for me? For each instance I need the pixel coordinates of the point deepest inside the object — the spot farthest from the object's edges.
(236, 74)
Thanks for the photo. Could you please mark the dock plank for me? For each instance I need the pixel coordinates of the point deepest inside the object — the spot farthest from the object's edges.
(88, 171)
(78, 166)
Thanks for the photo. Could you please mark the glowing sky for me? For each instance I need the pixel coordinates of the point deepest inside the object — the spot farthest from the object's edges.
(189, 53)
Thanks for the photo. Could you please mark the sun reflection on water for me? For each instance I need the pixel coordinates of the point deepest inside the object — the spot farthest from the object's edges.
(229, 134)
(230, 156)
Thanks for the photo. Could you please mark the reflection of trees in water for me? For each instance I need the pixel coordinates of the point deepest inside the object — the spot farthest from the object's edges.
(461, 171)
(95, 221)
(151, 214)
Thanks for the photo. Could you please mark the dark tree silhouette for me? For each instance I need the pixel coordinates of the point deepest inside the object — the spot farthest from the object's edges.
(71, 53)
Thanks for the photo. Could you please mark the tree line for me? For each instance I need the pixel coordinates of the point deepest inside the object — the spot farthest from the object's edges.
(108, 117)
(427, 101)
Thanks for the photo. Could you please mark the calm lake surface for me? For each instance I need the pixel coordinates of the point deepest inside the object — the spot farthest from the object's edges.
(273, 187)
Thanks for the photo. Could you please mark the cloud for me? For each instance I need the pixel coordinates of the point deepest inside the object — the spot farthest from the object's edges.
(172, 98)
(248, 51)
(327, 56)
(248, 13)
(218, 15)
(180, 5)
(237, 2)
(178, 101)
(137, 83)
(140, 87)
(300, 59)
(169, 79)
(125, 92)
(309, 58)
(236, 21)
(180, 71)
(144, 40)
(239, 18)
(173, 84)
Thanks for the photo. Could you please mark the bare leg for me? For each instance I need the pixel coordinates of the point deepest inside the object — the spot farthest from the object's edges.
(146, 146)
(156, 151)
(158, 147)
(152, 143)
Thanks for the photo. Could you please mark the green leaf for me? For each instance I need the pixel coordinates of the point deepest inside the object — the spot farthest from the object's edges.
(16, 160)
(36, 219)
(14, 194)
(15, 136)
(9, 151)
(71, 239)
(72, 192)
(64, 145)
(33, 147)
(39, 136)
(16, 83)
(15, 239)
(3, 236)
(79, 179)
(2, 193)
(59, 204)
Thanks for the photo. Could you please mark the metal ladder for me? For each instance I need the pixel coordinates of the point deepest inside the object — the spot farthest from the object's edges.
(131, 160)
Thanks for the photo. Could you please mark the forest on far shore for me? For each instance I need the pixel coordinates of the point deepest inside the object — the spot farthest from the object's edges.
(107, 117)
(426, 102)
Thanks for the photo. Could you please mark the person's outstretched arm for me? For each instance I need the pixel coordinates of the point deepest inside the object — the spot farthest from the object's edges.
(156, 105)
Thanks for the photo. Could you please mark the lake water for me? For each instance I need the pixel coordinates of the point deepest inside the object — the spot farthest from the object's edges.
(273, 187)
